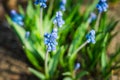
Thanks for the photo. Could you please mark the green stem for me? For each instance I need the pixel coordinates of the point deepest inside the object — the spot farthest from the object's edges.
(97, 22)
(84, 44)
(72, 58)
(73, 74)
(46, 66)
(41, 21)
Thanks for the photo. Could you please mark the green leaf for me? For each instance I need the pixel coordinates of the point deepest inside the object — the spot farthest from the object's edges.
(54, 62)
(103, 59)
(32, 59)
(36, 73)
(78, 38)
(90, 9)
(30, 9)
(21, 10)
(112, 24)
(113, 58)
(62, 56)
(67, 78)
(81, 74)
(103, 54)
(66, 74)
(20, 31)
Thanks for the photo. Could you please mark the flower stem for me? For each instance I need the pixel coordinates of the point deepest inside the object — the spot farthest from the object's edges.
(97, 22)
(46, 66)
(74, 74)
(41, 21)
(84, 44)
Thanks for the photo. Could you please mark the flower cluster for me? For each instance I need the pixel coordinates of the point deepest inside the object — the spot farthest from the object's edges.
(91, 37)
(92, 17)
(58, 19)
(102, 6)
(50, 40)
(42, 3)
(17, 18)
(62, 5)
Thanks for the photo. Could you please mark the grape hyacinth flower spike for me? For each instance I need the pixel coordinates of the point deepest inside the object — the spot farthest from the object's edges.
(50, 40)
(102, 6)
(91, 37)
(62, 5)
(16, 18)
(58, 21)
(42, 3)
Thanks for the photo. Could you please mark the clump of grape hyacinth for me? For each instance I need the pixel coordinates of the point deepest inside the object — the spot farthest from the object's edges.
(58, 19)
(91, 37)
(62, 5)
(92, 17)
(16, 18)
(50, 40)
(42, 3)
(102, 6)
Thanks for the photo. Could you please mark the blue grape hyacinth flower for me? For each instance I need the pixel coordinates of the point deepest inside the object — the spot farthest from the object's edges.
(16, 18)
(42, 3)
(50, 40)
(62, 5)
(92, 17)
(77, 66)
(58, 19)
(91, 37)
(102, 6)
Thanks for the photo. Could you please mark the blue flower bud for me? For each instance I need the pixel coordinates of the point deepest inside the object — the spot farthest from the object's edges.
(91, 37)
(77, 66)
(92, 17)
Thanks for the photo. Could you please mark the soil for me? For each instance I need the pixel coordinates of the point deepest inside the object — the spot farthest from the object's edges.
(13, 62)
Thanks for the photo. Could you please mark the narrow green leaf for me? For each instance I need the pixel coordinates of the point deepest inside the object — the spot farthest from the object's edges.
(32, 59)
(90, 9)
(78, 38)
(103, 54)
(81, 74)
(66, 74)
(30, 9)
(21, 10)
(62, 56)
(67, 78)
(36, 73)
(54, 62)
(112, 24)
